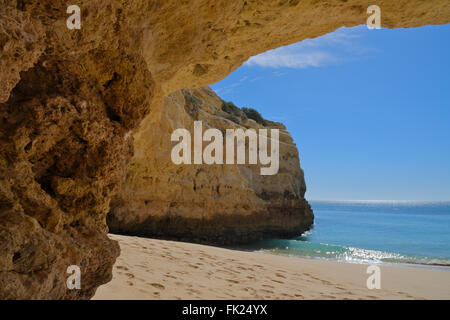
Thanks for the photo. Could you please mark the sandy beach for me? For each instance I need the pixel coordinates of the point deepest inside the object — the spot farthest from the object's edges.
(155, 269)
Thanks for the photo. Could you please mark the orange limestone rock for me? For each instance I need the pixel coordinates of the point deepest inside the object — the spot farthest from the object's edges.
(72, 99)
(222, 204)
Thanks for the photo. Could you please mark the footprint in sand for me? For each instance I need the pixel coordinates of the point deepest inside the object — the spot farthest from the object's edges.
(193, 291)
(122, 268)
(158, 286)
(277, 281)
(407, 295)
(233, 281)
(266, 291)
(181, 272)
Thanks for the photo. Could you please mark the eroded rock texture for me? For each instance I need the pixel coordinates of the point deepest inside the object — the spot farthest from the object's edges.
(66, 140)
(222, 204)
(70, 101)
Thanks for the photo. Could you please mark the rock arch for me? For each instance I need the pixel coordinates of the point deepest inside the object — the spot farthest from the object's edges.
(70, 101)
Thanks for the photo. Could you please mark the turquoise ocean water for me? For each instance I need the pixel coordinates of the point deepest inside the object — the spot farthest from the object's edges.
(372, 232)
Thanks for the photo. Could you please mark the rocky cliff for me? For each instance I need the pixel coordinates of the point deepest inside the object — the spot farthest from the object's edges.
(222, 204)
(70, 101)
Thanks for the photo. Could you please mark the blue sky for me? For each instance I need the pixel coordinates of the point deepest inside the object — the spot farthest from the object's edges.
(368, 109)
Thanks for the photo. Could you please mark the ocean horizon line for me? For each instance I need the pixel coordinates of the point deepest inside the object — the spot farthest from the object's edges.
(384, 201)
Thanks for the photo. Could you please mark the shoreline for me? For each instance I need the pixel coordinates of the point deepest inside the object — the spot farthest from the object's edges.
(425, 266)
(159, 269)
